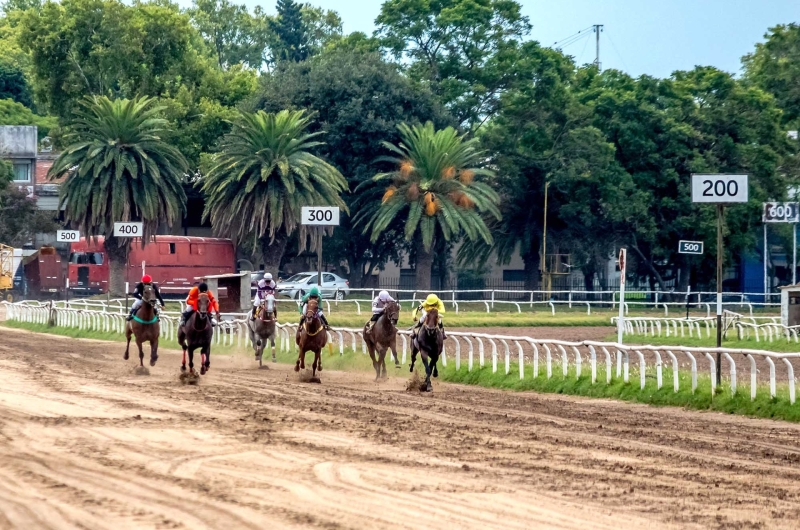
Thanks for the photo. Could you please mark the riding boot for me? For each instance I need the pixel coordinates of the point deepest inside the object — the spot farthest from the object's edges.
(253, 314)
(300, 325)
(325, 322)
(131, 314)
(444, 335)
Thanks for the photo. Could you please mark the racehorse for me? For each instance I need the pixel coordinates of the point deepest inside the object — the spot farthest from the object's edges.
(382, 337)
(145, 327)
(197, 333)
(430, 341)
(312, 337)
(263, 329)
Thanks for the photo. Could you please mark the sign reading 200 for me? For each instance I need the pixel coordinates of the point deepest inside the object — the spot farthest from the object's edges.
(719, 188)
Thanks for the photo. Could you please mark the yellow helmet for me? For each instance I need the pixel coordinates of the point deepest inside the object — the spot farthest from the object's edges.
(432, 299)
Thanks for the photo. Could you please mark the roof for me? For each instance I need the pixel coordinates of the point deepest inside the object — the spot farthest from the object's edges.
(223, 276)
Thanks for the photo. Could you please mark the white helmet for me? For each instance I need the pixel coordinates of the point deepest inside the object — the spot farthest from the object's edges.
(262, 283)
(383, 295)
(268, 276)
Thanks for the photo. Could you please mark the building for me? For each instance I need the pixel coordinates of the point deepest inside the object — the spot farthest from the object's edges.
(19, 144)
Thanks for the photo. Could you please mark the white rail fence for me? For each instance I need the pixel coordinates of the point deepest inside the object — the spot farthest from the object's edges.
(533, 357)
(492, 302)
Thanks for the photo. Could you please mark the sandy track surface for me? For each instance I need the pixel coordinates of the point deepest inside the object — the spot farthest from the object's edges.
(85, 443)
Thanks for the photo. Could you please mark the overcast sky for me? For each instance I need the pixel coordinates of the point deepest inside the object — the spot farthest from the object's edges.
(639, 37)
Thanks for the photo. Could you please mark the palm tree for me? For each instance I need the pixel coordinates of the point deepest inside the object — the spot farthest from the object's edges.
(434, 192)
(263, 176)
(118, 168)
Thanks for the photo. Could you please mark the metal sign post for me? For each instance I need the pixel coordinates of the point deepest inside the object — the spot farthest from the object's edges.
(128, 230)
(620, 321)
(320, 216)
(719, 190)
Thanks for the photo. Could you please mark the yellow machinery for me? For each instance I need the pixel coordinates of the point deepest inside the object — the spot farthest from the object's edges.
(6, 269)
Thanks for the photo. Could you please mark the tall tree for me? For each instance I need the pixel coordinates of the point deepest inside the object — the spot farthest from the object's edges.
(291, 33)
(774, 66)
(235, 35)
(118, 168)
(433, 193)
(358, 100)
(460, 47)
(263, 176)
(104, 47)
(13, 84)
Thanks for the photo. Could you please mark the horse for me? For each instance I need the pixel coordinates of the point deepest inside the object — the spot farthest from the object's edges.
(382, 337)
(312, 337)
(198, 331)
(430, 342)
(145, 327)
(262, 328)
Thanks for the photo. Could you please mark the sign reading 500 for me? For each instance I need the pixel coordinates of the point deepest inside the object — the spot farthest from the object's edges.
(128, 229)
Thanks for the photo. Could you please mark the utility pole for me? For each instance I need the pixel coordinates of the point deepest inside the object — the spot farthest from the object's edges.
(597, 29)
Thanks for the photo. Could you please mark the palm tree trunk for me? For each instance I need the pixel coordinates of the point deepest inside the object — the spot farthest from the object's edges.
(272, 253)
(117, 255)
(423, 268)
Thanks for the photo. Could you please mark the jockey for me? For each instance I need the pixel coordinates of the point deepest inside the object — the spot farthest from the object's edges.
(431, 302)
(378, 306)
(266, 286)
(191, 303)
(313, 293)
(139, 291)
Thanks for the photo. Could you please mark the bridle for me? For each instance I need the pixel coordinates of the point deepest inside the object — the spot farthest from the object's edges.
(202, 316)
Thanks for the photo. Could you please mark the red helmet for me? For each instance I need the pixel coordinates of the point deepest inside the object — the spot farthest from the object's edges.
(147, 279)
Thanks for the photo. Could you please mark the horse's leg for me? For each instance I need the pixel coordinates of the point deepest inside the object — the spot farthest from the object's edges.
(382, 362)
(299, 356)
(393, 346)
(141, 351)
(205, 358)
(317, 363)
(426, 362)
(128, 346)
(154, 351)
(191, 360)
(371, 349)
(183, 363)
(434, 362)
(272, 340)
(413, 358)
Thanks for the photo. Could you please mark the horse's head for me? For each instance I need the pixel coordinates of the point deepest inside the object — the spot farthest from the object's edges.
(203, 304)
(431, 323)
(311, 309)
(268, 307)
(149, 294)
(392, 312)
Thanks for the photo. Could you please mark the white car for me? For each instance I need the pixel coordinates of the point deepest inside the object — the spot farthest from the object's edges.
(333, 286)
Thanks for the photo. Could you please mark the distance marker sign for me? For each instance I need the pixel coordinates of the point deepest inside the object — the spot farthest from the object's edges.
(719, 188)
(690, 247)
(320, 216)
(67, 236)
(128, 229)
(781, 212)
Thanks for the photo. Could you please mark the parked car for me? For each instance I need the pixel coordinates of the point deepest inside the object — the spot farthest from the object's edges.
(333, 286)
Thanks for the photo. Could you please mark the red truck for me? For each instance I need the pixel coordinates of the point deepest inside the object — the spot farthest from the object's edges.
(44, 273)
(173, 262)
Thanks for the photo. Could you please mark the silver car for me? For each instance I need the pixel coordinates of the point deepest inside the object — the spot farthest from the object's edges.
(333, 286)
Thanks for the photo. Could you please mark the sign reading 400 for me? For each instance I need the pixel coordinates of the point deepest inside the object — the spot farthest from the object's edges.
(128, 229)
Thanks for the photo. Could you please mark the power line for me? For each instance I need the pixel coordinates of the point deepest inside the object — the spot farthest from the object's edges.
(618, 54)
(572, 39)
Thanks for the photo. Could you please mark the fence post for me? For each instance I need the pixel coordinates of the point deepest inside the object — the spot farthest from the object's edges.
(493, 299)
(569, 297)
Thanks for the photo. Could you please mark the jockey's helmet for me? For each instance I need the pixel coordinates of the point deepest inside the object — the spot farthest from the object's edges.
(203, 287)
(268, 276)
(147, 279)
(314, 292)
(383, 296)
(262, 284)
(432, 300)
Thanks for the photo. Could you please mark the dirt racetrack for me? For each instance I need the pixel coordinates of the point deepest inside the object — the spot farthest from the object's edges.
(85, 443)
